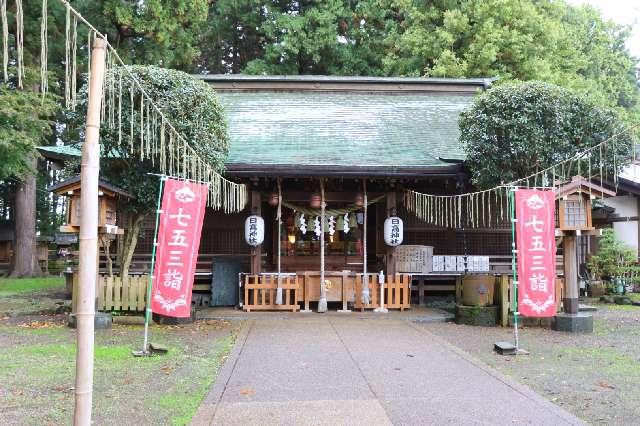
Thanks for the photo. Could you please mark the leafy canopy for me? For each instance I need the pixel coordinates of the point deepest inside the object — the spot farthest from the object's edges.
(544, 40)
(614, 258)
(188, 103)
(516, 129)
(25, 123)
(161, 32)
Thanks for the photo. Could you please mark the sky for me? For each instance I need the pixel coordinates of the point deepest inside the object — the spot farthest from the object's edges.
(625, 12)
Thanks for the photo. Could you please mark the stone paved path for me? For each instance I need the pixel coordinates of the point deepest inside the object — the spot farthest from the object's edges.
(327, 369)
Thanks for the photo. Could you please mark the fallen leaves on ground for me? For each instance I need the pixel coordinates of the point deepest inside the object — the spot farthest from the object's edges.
(605, 385)
(40, 324)
(247, 392)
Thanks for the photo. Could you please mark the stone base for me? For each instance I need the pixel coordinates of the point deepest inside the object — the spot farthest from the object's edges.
(102, 321)
(477, 315)
(576, 323)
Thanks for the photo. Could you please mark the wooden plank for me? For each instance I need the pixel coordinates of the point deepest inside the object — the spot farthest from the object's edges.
(503, 296)
(108, 299)
(100, 290)
(142, 283)
(117, 292)
(126, 296)
(201, 287)
(458, 290)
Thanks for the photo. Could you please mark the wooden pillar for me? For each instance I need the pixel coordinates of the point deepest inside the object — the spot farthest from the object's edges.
(256, 252)
(390, 251)
(571, 290)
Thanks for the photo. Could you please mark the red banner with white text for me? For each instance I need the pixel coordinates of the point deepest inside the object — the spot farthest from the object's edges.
(182, 212)
(536, 245)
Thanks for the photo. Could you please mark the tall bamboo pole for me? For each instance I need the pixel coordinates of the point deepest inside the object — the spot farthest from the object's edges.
(322, 303)
(88, 269)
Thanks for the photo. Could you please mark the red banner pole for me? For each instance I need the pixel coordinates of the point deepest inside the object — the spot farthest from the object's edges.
(147, 313)
(514, 269)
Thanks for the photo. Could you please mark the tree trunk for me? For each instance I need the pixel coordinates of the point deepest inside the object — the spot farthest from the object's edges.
(25, 262)
(131, 240)
(105, 242)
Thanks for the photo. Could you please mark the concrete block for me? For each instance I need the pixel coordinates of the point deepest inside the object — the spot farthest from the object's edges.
(577, 323)
(102, 321)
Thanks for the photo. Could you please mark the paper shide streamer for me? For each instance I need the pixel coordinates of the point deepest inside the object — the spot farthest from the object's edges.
(151, 136)
(486, 209)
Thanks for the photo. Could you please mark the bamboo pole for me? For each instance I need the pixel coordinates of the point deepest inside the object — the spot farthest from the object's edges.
(90, 168)
(322, 303)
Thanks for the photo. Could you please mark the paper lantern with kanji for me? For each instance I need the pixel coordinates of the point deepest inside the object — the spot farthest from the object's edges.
(393, 231)
(254, 230)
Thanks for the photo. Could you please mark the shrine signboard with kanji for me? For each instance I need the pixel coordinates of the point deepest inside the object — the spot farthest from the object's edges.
(414, 259)
(536, 251)
(182, 213)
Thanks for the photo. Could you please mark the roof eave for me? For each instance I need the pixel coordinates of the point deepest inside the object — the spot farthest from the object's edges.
(287, 170)
(240, 82)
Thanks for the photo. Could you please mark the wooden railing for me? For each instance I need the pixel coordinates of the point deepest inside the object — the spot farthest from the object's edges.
(260, 292)
(397, 292)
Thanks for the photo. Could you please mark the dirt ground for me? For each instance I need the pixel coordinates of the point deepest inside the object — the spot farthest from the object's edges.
(594, 376)
(37, 366)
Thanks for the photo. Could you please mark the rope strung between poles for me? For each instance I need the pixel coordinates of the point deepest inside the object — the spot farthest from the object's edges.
(177, 157)
(439, 210)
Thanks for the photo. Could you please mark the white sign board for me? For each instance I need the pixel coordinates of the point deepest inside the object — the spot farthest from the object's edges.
(414, 259)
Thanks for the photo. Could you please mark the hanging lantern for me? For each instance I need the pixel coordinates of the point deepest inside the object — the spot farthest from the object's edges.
(359, 199)
(393, 230)
(254, 230)
(274, 199)
(315, 201)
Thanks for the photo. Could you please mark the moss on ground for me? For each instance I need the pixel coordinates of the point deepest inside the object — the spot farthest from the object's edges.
(37, 355)
(15, 286)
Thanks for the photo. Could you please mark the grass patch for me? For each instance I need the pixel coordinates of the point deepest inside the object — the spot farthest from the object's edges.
(615, 307)
(38, 374)
(16, 286)
(607, 360)
(183, 402)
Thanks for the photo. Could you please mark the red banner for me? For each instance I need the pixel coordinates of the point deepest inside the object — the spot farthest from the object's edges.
(183, 205)
(536, 244)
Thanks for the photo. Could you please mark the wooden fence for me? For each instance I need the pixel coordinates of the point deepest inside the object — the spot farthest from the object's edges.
(397, 292)
(260, 292)
(114, 295)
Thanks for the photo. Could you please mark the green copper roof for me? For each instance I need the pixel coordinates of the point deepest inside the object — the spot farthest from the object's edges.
(382, 130)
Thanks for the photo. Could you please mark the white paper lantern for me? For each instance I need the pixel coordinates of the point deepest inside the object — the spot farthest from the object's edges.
(254, 230)
(393, 230)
